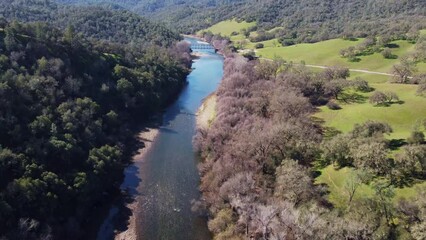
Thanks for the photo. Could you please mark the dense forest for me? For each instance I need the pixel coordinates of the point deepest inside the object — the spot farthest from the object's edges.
(261, 153)
(98, 22)
(68, 112)
(302, 21)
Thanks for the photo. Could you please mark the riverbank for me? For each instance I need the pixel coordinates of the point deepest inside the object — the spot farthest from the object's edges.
(148, 137)
(207, 111)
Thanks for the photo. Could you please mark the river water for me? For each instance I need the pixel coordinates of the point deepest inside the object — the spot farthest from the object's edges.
(167, 179)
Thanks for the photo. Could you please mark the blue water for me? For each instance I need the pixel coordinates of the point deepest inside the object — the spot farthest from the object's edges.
(167, 179)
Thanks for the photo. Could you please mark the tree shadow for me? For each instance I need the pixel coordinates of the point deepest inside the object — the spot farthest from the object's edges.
(330, 132)
(406, 181)
(352, 98)
(395, 144)
(393, 56)
(352, 39)
(354, 59)
(388, 104)
(392, 45)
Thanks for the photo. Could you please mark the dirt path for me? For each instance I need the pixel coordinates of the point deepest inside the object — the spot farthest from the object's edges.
(352, 70)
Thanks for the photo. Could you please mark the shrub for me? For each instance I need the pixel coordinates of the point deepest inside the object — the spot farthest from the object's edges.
(361, 85)
(287, 42)
(422, 89)
(391, 97)
(259, 45)
(418, 79)
(380, 98)
(417, 137)
(249, 55)
(387, 53)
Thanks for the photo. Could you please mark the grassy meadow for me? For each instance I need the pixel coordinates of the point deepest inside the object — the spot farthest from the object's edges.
(402, 117)
(225, 28)
(336, 180)
(326, 53)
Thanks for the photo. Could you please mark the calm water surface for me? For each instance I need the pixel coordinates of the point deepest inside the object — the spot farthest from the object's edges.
(167, 179)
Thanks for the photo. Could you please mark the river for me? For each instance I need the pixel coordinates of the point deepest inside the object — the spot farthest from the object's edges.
(167, 179)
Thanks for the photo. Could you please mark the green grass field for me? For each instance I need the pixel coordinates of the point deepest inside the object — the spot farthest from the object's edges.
(225, 28)
(336, 178)
(267, 44)
(401, 117)
(326, 53)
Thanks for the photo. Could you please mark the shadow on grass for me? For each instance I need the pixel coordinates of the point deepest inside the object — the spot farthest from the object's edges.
(354, 59)
(395, 144)
(388, 104)
(392, 45)
(392, 56)
(330, 132)
(352, 98)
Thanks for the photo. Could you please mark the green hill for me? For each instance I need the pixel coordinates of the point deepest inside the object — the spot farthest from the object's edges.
(97, 22)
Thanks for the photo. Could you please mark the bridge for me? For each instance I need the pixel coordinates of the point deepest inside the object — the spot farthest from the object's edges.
(198, 46)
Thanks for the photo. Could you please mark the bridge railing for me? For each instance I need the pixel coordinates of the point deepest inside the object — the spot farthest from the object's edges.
(202, 46)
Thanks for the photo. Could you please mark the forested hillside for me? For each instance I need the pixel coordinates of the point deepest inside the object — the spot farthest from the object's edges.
(305, 20)
(68, 109)
(186, 16)
(97, 22)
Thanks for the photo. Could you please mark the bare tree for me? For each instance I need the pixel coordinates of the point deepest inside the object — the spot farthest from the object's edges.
(403, 71)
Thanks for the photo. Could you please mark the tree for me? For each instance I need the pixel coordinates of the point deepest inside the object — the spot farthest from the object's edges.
(387, 53)
(420, 53)
(417, 137)
(354, 181)
(361, 85)
(384, 193)
(337, 151)
(418, 227)
(221, 221)
(378, 98)
(10, 41)
(391, 97)
(411, 160)
(403, 71)
(293, 183)
(421, 90)
(105, 160)
(371, 129)
(336, 73)
(335, 87)
(11, 167)
(372, 156)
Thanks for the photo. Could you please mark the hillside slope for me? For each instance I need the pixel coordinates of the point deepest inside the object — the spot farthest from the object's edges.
(68, 108)
(99, 22)
(306, 20)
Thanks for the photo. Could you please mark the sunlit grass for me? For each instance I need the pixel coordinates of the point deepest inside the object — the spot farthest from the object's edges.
(327, 53)
(226, 28)
(336, 179)
(401, 117)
